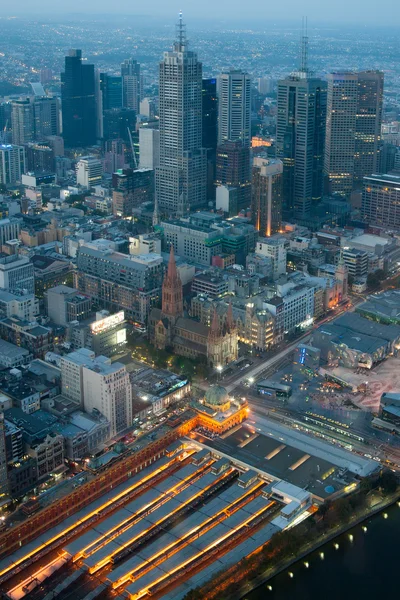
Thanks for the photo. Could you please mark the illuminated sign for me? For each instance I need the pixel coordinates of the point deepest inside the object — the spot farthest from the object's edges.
(108, 322)
(302, 356)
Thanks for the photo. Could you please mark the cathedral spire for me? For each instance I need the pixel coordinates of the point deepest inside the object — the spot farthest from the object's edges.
(172, 291)
(172, 270)
(230, 321)
(214, 329)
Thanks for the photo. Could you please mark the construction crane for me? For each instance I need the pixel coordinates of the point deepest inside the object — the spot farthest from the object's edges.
(133, 149)
(3, 135)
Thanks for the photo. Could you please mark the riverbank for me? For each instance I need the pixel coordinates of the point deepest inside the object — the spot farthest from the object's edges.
(314, 546)
(290, 546)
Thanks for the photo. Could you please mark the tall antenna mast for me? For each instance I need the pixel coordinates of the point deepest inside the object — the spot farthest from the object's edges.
(304, 47)
(181, 34)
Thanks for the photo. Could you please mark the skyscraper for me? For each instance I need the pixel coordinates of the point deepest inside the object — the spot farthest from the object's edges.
(210, 130)
(12, 163)
(116, 122)
(381, 200)
(368, 125)
(111, 88)
(210, 113)
(233, 170)
(45, 115)
(354, 116)
(300, 137)
(340, 132)
(22, 122)
(78, 101)
(266, 204)
(130, 73)
(181, 177)
(234, 102)
(33, 119)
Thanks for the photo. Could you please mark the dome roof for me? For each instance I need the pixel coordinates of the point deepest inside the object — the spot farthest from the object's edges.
(216, 395)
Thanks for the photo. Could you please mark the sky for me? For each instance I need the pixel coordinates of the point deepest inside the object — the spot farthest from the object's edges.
(384, 12)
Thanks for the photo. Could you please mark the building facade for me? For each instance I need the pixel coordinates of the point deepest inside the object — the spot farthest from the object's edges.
(181, 178)
(266, 201)
(12, 164)
(89, 171)
(168, 328)
(131, 88)
(78, 101)
(234, 107)
(353, 129)
(233, 170)
(300, 138)
(120, 282)
(381, 200)
(17, 273)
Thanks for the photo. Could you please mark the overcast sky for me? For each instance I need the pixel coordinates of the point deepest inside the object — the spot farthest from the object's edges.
(384, 12)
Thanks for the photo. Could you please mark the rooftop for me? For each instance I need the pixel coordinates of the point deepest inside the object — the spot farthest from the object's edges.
(33, 424)
(11, 351)
(386, 304)
(140, 262)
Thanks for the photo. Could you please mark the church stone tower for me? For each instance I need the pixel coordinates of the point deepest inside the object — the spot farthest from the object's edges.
(172, 291)
(222, 343)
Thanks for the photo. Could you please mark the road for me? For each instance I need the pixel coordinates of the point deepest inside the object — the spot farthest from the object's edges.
(232, 381)
(257, 370)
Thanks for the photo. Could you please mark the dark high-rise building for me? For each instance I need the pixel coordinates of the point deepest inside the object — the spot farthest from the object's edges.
(387, 157)
(353, 129)
(5, 122)
(131, 84)
(40, 157)
(111, 88)
(233, 170)
(210, 113)
(210, 130)
(78, 101)
(300, 138)
(181, 178)
(266, 201)
(116, 122)
(131, 187)
(368, 125)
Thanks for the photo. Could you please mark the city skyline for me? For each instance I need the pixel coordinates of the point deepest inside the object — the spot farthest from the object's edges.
(199, 297)
(353, 12)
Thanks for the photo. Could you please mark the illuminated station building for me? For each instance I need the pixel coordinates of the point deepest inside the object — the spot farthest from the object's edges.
(218, 412)
(207, 490)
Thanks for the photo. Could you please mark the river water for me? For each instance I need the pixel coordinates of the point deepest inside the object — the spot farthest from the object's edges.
(364, 568)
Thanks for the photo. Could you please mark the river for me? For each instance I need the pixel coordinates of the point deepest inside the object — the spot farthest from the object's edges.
(364, 567)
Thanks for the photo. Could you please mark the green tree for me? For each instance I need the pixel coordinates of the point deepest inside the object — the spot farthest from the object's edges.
(372, 281)
(193, 595)
(388, 482)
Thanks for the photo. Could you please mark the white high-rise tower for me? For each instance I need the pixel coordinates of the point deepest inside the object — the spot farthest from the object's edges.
(181, 177)
(234, 102)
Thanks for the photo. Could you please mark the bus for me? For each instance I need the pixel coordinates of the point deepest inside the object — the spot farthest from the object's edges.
(266, 387)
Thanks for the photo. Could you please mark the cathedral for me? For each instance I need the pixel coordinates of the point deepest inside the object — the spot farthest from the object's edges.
(170, 328)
